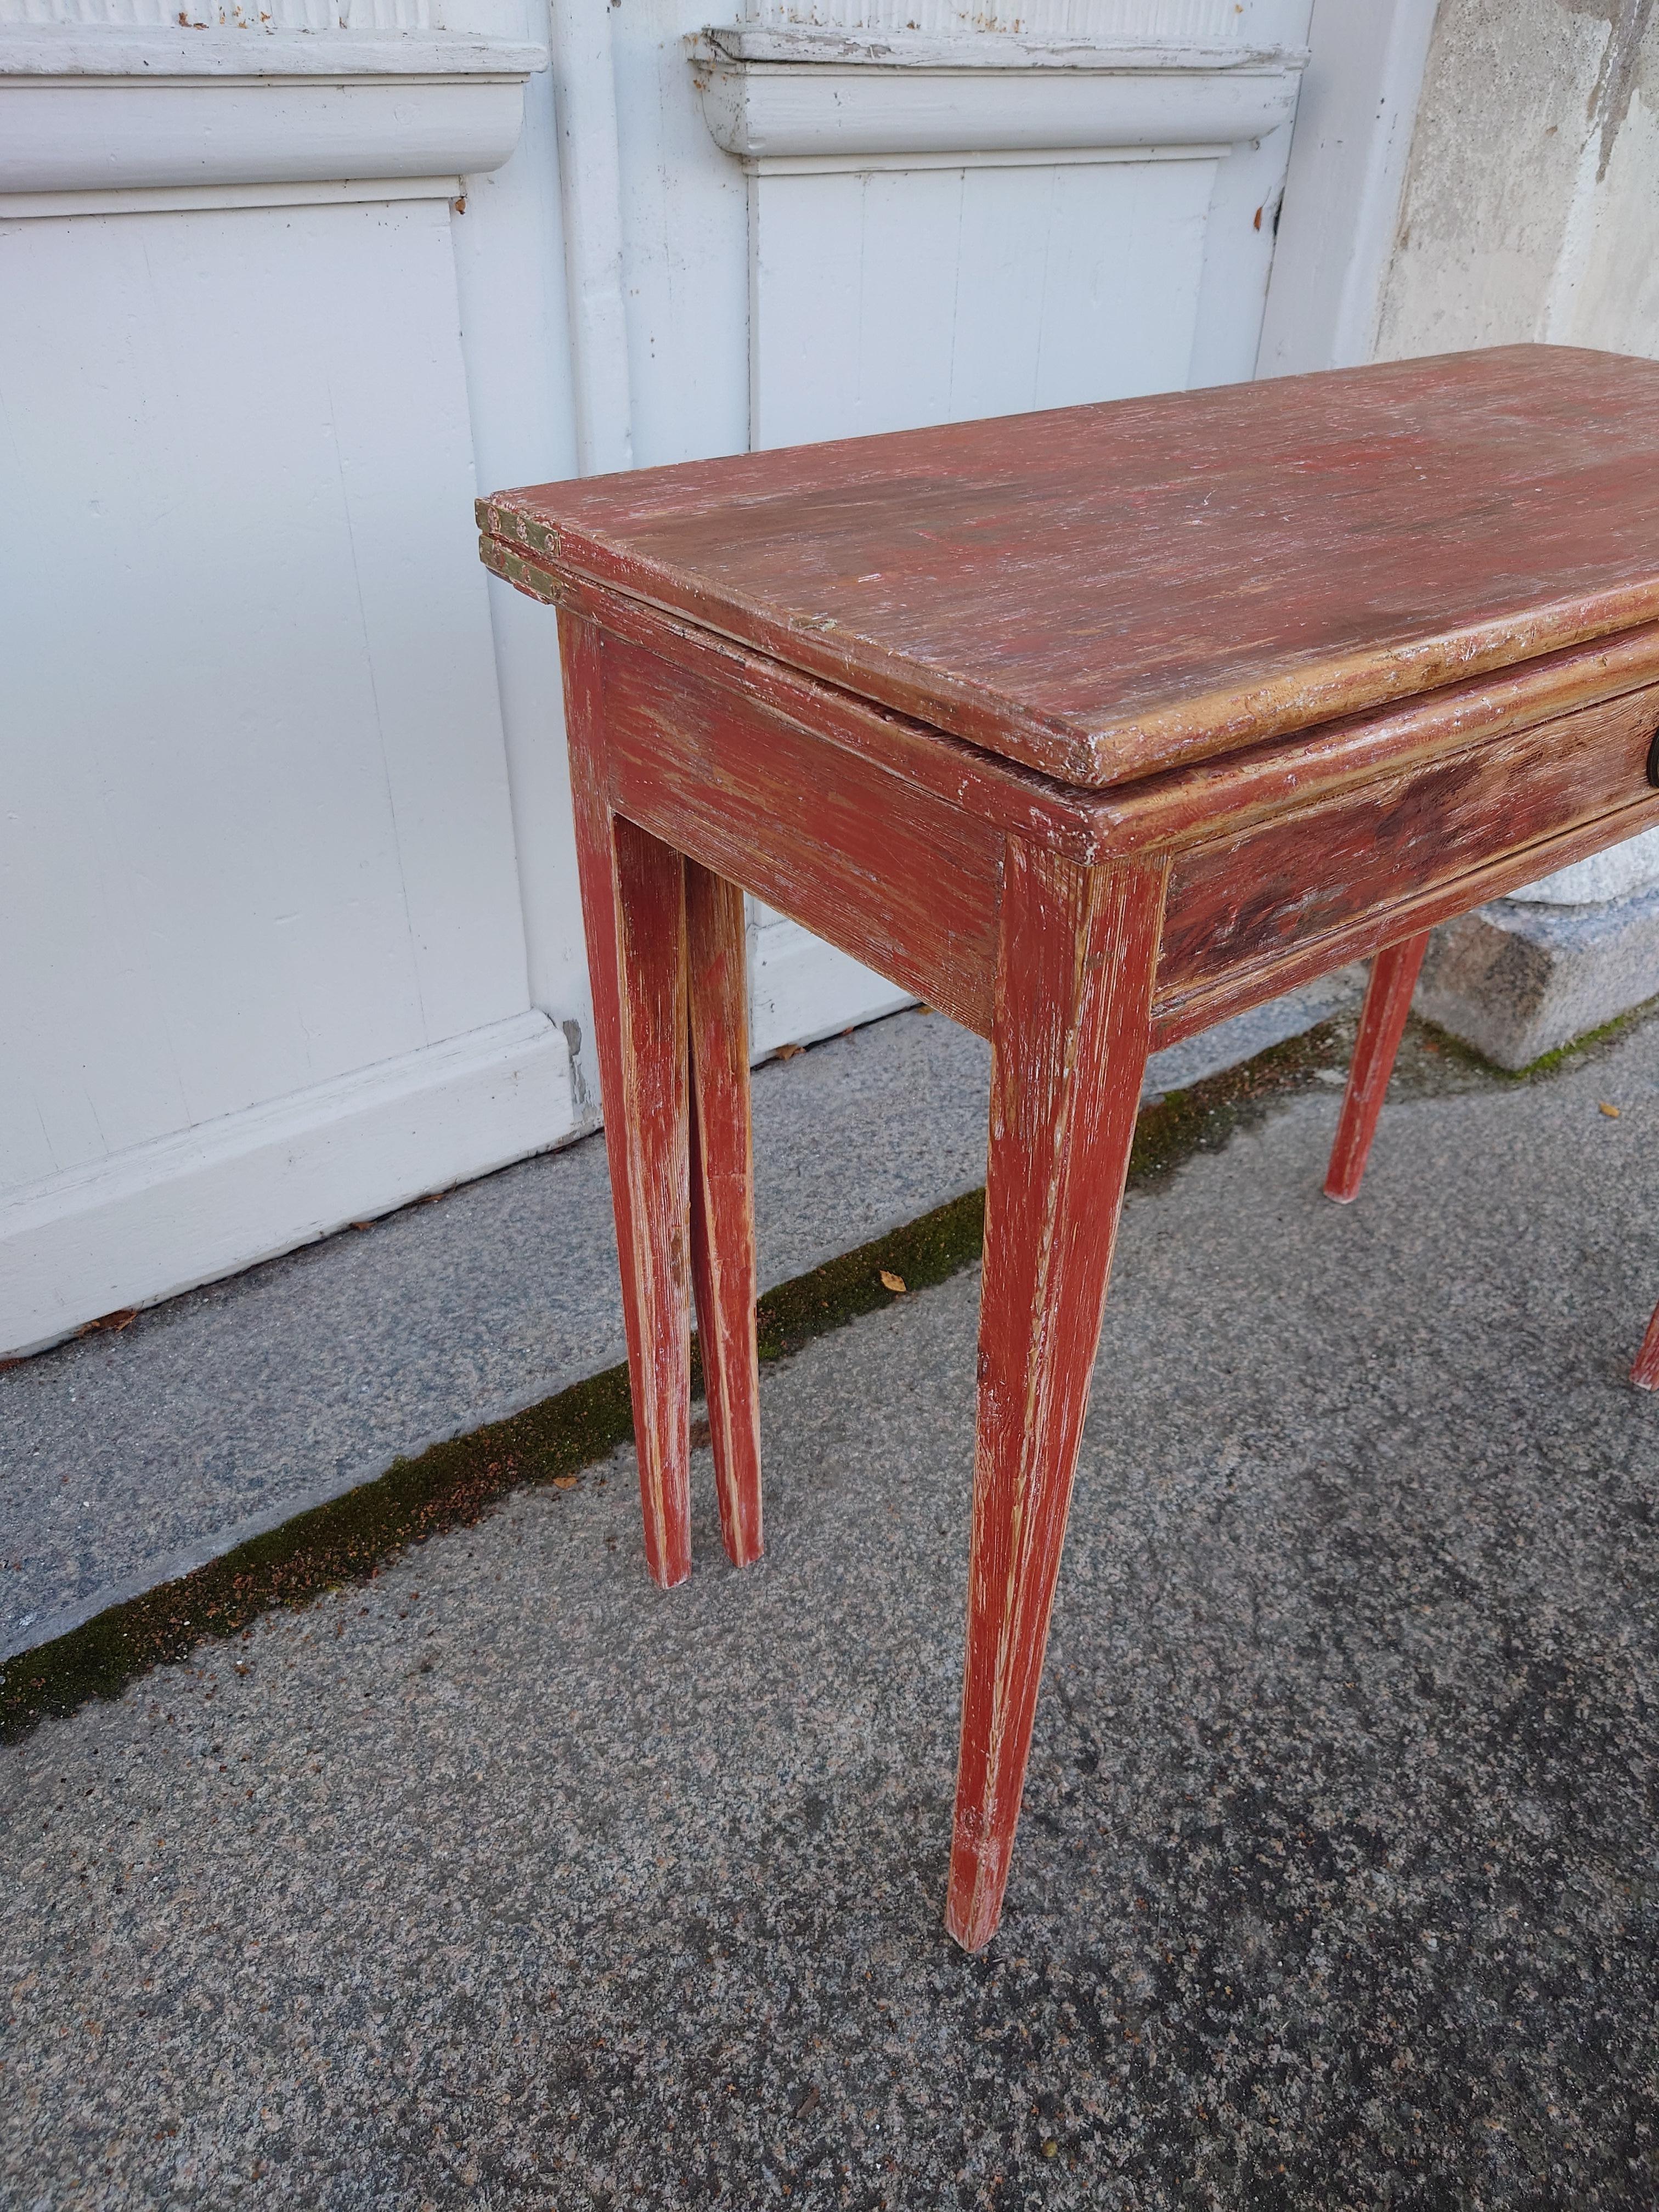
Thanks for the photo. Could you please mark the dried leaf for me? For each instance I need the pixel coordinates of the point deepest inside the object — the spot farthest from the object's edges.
(566, 1481)
(787, 1051)
(1611, 1112)
(892, 1282)
(123, 1317)
(809, 2103)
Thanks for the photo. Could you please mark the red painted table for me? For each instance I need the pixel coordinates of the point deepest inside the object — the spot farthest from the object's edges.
(1089, 728)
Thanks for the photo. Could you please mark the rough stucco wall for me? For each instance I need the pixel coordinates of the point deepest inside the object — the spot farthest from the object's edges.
(1531, 210)
(1531, 207)
(1612, 293)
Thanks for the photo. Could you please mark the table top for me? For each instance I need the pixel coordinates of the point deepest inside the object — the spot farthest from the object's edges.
(1106, 592)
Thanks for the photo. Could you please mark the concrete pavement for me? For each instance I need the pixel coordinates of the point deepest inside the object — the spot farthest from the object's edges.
(127, 1459)
(508, 1880)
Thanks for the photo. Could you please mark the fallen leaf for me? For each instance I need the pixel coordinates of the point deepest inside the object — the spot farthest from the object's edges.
(123, 1318)
(1611, 1112)
(566, 1481)
(787, 1051)
(808, 2103)
(362, 1224)
(892, 1282)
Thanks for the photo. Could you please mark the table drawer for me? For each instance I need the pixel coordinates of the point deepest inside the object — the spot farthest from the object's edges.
(1433, 839)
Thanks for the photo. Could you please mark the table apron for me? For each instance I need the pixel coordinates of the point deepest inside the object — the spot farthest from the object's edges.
(909, 880)
(1251, 915)
(896, 876)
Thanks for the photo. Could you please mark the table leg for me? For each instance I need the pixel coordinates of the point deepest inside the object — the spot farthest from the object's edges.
(723, 1202)
(1645, 1374)
(1074, 996)
(634, 915)
(1382, 1025)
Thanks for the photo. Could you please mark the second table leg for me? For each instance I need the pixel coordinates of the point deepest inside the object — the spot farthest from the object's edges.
(1382, 1025)
(723, 1202)
(1073, 997)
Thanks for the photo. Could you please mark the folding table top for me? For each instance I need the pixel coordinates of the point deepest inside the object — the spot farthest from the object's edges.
(1105, 592)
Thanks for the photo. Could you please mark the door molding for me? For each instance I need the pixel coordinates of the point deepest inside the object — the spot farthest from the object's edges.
(1342, 192)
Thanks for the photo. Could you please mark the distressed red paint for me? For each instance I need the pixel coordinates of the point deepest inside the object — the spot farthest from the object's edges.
(1092, 728)
(1382, 1025)
(723, 1202)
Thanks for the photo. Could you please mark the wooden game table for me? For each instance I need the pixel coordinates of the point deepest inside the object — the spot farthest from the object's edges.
(1090, 728)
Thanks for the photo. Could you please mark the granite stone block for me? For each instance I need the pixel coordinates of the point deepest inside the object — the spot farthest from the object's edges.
(1517, 980)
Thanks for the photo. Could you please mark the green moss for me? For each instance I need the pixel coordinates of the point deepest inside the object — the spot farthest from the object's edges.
(455, 1483)
(1206, 1117)
(448, 1487)
(919, 1255)
(1588, 1047)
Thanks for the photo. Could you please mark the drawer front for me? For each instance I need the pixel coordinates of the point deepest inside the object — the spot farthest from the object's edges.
(1269, 898)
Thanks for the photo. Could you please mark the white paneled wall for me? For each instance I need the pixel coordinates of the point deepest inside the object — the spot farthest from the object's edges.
(887, 298)
(946, 222)
(286, 877)
(1037, 19)
(261, 16)
(276, 785)
(266, 965)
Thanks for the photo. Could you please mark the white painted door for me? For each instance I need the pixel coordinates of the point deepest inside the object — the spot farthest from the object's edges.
(959, 221)
(265, 963)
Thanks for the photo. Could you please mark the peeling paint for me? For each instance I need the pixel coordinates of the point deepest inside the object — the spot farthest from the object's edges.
(1628, 23)
(585, 1100)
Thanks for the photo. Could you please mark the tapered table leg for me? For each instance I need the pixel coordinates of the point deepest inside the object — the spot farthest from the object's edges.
(1074, 996)
(1645, 1374)
(1382, 1025)
(634, 914)
(723, 1202)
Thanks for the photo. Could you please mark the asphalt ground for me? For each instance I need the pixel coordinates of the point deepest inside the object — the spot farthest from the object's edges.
(130, 1456)
(506, 1879)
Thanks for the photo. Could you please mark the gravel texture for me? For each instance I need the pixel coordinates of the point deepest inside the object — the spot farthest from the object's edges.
(510, 1880)
(127, 1459)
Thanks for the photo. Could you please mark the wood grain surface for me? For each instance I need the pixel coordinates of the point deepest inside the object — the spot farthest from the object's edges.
(897, 877)
(1001, 793)
(1234, 990)
(1074, 988)
(1237, 902)
(1164, 812)
(1105, 592)
(633, 912)
(1218, 798)
(723, 1203)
